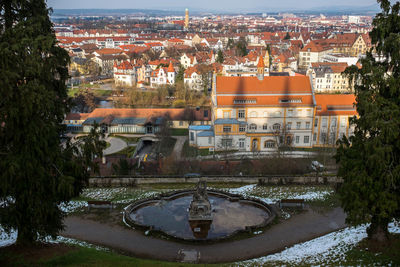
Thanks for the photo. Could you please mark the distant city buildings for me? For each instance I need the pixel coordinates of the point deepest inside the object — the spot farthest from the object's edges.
(272, 80)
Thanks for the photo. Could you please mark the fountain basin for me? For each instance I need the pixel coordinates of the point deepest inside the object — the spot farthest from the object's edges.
(169, 213)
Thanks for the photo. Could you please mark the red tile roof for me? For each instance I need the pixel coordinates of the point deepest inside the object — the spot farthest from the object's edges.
(271, 91)
(335, 104)
(271, 84)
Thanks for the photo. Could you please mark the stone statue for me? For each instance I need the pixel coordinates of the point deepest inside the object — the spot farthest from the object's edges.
(200, 207)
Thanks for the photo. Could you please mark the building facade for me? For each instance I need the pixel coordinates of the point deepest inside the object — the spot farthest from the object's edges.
(262, 113)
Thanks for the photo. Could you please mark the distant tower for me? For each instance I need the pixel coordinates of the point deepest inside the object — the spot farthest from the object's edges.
(266, 59)
(171, 73)
(187, 18)
(260, 68)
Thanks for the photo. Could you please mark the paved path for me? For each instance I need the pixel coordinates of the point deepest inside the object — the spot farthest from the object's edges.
(299, 228)
(180, 140)
(116, 145)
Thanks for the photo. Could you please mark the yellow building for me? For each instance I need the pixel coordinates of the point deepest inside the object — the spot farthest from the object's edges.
(262, 113)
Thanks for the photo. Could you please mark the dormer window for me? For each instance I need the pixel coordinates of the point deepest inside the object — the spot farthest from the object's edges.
(289, 100)
(244, 101)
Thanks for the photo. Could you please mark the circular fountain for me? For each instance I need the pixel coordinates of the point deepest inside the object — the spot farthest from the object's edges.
(199, 214)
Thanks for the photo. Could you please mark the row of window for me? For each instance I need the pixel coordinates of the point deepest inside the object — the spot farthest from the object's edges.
(276, 126)
(227, 142)
(254, 114)
(324, 123)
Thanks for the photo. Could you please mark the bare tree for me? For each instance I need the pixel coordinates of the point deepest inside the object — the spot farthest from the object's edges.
(283, 138)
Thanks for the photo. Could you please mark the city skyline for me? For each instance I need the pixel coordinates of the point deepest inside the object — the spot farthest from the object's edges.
(208, 5)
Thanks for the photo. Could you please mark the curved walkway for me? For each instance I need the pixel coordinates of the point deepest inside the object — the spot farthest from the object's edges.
(299, 228)
(116, 145)
(180, 141)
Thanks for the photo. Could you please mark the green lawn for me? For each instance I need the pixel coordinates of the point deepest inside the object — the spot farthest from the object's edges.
(73, 91)
(179, 132)
(364, 254)
(80, 256)
(101, 93)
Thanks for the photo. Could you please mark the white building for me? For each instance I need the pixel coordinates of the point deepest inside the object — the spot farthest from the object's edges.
(163, 76)
(125, 74)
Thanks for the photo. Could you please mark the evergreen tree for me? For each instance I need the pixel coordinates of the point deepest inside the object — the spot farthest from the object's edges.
(220, 57)
(370, 160)
(230, 43)
(37, 172)
(180, 75)
(287, 36)
(241, 47)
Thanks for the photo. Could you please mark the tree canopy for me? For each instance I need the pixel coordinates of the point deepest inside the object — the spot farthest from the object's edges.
(220, 57)
(37, 171)
(370, 160)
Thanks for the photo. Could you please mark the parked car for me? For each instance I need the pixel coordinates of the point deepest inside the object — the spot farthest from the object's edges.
(316, 166)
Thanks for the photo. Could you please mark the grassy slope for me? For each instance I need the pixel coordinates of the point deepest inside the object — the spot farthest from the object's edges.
(365, 254)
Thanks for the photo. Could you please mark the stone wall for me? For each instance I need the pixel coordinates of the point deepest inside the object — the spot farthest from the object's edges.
(270, 180)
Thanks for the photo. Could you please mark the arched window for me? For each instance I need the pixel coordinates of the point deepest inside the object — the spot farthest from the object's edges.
(253, 127)
(269, 144)
(276, 127)
(253, 114)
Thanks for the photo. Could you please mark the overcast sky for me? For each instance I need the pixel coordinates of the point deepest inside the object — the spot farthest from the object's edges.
(218, 5)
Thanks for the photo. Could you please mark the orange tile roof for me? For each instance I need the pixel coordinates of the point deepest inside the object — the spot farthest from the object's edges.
(109, 51)
(271, 84)
(335, 104)
(296, 90)
(266, 101)
(170, 67)
(315, 46)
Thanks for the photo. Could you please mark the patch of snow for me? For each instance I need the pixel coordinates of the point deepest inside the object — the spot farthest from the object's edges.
(275, 193)
(243, 190)
(328, 249)
(71, 241)
(321, 249)
(394, 227)
(7, 239)
(140, 196)
(103, 193)
(72, 206)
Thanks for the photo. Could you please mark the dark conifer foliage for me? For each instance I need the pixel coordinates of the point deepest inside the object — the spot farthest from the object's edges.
(370, 160)
(37, 171)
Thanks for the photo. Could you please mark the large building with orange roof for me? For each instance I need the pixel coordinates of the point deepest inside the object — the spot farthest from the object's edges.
(262, 113)
(265, 113)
